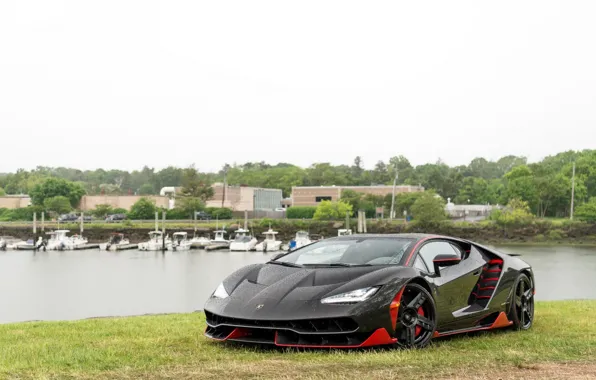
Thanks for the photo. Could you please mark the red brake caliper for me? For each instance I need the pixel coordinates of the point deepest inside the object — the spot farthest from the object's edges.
(418, 328)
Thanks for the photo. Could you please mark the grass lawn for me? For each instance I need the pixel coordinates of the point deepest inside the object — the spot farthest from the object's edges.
(561, 344)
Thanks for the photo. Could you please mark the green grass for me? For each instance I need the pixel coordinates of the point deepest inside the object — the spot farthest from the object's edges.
(563, 338)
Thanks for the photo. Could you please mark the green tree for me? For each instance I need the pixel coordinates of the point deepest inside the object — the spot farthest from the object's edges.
(143, 209)
(428, 209)
(146, 189)
(195, 185)
(587, 211)
(53, 187)
(2, 192)
(330, 210)
(58, 204)
(521, 185)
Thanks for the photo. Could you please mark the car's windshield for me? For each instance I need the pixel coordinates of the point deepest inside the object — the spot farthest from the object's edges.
(353, 251)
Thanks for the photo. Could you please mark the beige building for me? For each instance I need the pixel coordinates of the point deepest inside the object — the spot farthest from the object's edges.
(244, 198)
(312, 195)
(14, 201)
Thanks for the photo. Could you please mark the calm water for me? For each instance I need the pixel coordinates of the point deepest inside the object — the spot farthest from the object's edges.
(84, 284)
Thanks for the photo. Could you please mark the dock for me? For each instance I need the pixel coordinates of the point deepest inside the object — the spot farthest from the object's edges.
(215, 246)
(86, 246)
(126, 246)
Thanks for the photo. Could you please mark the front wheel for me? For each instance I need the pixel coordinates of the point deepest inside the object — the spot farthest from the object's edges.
(416, 322)
(521, 311)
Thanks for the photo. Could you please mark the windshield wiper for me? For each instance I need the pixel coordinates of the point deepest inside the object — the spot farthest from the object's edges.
(285, 264)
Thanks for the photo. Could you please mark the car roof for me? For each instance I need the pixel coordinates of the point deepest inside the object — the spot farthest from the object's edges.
(414, 236)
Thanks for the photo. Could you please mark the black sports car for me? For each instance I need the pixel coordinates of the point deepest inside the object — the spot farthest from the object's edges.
(368, 290)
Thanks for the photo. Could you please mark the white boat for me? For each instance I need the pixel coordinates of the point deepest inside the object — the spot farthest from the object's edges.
(179, 242)
(20, 245)
(116, 242)
(243, 241)
(344, 232)
(155, 243)
(60, 241)
(302, 238)
(200, 242)
(219, 241)
(270, 244)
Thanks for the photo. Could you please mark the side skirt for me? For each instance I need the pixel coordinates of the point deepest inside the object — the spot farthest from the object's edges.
(500, 322)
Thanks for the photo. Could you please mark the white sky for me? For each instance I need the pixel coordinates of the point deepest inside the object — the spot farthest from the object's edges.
(122, 84)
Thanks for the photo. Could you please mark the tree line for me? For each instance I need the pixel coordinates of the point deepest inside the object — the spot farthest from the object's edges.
(545, 186)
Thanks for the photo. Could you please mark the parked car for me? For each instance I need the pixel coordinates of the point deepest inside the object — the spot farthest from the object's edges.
(68, 218)
(202, 215)
(86, 218)
(115, 218)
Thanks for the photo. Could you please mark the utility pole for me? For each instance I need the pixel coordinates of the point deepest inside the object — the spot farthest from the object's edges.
(393, 194)
(223, 197)
(572, 192)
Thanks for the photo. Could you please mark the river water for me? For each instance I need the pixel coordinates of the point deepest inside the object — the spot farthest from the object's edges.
(84, 284)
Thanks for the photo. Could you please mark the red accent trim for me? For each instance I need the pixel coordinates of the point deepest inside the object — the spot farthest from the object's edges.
(238, 332)
(377, 338)
(416, 247)
(495, 261)
(501, 321)
(493, 270)
(483, 297)
(440, 261)
(491, 279)
(394, 308)
(486, 288)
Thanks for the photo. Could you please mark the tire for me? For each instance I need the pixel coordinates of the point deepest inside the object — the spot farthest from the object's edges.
(521, 311)
(416, 321)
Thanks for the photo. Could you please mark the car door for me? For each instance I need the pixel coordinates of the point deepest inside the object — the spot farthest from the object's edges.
(454, 284)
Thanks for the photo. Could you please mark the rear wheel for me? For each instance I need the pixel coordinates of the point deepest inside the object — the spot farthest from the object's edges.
(522, 303)
(416, 318)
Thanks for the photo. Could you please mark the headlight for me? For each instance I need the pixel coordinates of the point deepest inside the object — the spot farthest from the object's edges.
(351, 297)
(220, 292)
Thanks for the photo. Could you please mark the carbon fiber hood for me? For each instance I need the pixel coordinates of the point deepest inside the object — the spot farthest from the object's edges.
(275, 291)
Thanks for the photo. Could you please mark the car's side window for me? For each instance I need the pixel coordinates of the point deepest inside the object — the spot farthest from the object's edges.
(430, 250)
(419, 264)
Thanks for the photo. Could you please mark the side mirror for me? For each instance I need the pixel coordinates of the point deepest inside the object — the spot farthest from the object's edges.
(445, 261)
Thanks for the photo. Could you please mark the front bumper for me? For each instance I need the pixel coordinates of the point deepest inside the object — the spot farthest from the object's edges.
(341, 332)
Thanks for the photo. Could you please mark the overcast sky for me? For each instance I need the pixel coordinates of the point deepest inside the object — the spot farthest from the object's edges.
(122, 84)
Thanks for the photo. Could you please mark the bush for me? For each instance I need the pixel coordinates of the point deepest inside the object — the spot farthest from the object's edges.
(221, 213)
(120, 211)
(301, 212)
(177, 213)
(101, 211)
(555, 235)
(516, 213)
(329, 210)
(587, 211)
(428, 209)
(143, 209)
(21, 214)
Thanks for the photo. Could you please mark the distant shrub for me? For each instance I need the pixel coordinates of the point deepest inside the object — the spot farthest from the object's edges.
(540, 237)
(587, 211)
(221, 213)
(301, 212)
(555, 235)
